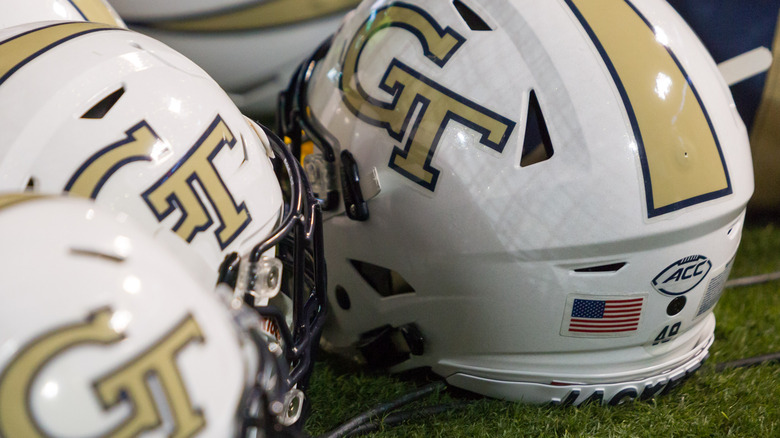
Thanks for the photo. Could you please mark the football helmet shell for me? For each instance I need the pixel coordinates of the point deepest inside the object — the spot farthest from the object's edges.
(524, 205)
(110, 114)
(104, 332)
(251, 47)
(13, 13)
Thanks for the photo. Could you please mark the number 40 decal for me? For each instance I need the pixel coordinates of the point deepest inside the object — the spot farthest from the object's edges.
(667, 333)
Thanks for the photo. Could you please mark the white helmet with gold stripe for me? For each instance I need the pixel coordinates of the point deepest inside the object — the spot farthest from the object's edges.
(104, 332)
(15, 12)
(110, 114)
(539, 200)
(251, 47)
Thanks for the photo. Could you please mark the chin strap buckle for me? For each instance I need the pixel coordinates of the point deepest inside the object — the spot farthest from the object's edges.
(322, 178)
(387, 346)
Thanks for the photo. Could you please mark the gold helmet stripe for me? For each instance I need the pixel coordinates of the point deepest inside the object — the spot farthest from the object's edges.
(261, 15)
(681, 158)
(10, 199)
(21, 49)
(96, 11)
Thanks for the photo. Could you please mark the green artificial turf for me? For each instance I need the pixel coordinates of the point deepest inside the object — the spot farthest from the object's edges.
(743, 402)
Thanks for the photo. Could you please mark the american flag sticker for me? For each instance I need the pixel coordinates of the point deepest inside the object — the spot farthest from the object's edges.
(602, 317)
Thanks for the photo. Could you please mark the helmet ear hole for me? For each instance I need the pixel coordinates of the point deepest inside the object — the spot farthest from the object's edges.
(676, 305)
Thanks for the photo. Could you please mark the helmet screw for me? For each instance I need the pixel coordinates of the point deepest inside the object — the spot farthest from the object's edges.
(273, 278)
(275, 348)
(277, 407)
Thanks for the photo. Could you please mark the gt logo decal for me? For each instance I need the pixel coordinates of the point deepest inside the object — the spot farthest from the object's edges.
(681, 158)
(23, 48)
(175, 190)
(90, 177)
(411, 89)
(128, 384)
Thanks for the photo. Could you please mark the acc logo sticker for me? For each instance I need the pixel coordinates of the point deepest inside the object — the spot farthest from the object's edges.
(682, 275)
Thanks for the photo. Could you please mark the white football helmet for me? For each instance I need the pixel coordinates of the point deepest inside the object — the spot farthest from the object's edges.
(103, 332)
(250, 47)
(16, 12)
(539, 200)
(113, 115)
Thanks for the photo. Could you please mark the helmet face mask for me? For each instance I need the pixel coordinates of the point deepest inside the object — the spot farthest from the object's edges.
(298, 269)
(547, 220)
(145, 132)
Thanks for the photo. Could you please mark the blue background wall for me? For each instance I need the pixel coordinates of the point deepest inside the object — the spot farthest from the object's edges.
(729, 28)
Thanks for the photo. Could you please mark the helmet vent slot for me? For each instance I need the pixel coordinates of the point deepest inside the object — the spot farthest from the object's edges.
(97, 254)
(470, 17)
(342, 298)
(608, 268)
(537, 146)
(385, 282)
(100, 109)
